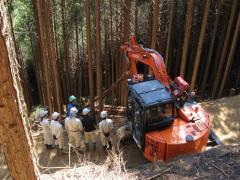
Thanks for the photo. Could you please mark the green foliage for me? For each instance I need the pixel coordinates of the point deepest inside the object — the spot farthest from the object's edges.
(34, 114)
(22, 15)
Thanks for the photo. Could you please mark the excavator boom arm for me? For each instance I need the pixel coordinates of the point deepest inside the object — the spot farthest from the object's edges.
(136, 53)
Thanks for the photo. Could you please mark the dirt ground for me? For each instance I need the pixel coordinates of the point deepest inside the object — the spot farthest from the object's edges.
(221, 162)
(218, 163)
(50, 158)
(225, 118)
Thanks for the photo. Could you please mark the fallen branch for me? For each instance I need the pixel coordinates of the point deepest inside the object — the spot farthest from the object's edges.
(159, 174)
(219, 169)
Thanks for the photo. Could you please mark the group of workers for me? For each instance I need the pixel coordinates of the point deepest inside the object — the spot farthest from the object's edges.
(81, 130)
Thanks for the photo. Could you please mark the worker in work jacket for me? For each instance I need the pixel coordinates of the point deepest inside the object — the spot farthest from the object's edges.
(45, 123)
(105, 127)
(57, 131)
(89, 125)
(74, 128)
(72, 103)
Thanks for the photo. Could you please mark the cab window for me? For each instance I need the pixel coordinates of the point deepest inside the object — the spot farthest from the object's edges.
(158, 113)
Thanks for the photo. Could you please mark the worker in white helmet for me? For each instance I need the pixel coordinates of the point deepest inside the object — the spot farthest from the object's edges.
(72, 103)
(74, 128)
(89, 125)
(57, 131)
(45, 123)
(105, 127)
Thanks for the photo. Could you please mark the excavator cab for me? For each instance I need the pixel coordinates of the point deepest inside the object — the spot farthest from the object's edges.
(150, 107)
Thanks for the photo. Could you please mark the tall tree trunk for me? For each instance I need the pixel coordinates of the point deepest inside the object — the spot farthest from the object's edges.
(125, 37)
(53, 61)
(169, 38)
(118, 33)
(136, 17)
(37, 72)
(238, 79)
(98, 55)
(66, 67)
(111, 50)
(156, 8)
(48, 54)
(210, 53)
(14, 133)
(225, 48)
(54, 12)
(187, 34)
(82, 60)
(200, 43)
(38, 69)
(22, 70)
(220, 42)
(78, 74)
(230, 56)
(89, 50)
(40, 21)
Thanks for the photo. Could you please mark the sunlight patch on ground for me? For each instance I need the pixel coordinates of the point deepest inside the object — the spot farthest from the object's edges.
(225, 116)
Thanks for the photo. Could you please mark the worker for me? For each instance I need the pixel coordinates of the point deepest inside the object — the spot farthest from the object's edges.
(45, 123)
(74, 128)
(89, 125)
(72, 103)
(57, 131)
(105, 127)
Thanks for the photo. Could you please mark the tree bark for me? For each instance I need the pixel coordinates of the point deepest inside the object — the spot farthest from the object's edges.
(156, 8)
(238, 79)
(54, 12)
(82, 67)
(224, 50)
(89, 51)
(187, 34)
(38, 70)
(14, 134)
(169, 38)
(200, 44)
(78, 75)
(112, 49)
(98, 55)
(230, 56)
(48, 54)
(65, 34)
(136, 18)
(125, 37)
(40, 21)
(210, 53)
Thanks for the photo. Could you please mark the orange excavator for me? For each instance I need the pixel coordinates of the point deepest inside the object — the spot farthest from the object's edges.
(164, 119)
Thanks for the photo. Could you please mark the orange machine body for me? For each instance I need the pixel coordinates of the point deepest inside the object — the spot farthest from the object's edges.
(191, 126)
(170, 142)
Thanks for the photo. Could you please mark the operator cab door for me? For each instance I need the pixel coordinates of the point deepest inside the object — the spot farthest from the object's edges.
(137, 125)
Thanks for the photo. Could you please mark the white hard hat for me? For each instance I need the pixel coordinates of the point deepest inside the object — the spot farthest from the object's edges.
(43, 113)
(73, 110)
(103, 114)
(85, 111)
(55, 115)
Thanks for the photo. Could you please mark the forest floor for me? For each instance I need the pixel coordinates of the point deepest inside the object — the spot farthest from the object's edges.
(50, 158)
(222, 162)
(225, 118)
